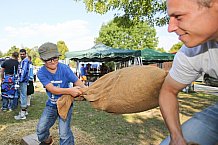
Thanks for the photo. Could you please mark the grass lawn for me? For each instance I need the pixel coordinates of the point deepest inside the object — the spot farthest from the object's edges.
(93, 127)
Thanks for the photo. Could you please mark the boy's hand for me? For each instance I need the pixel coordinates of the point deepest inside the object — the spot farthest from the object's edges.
(75, 91)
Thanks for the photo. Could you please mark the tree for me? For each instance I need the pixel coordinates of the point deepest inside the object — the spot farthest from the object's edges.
(38, 62)
(33, 52)
(137, 37)
(62, 48)
(1, 53)
(12, 50)
(153, 11)
(176, 47)
(161, 49)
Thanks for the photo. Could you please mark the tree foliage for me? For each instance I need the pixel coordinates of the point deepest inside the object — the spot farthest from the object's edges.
(62, 48)
(161, 49)
(176, 47)
(137, 37)
(33, 52)
(153, 11)
(38, 61)
(12, 50)
(1, 54)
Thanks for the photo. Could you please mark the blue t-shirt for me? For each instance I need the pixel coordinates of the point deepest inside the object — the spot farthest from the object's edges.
(61, 78)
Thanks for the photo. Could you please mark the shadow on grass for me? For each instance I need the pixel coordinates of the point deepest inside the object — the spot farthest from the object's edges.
(114, 129)
(195, 102)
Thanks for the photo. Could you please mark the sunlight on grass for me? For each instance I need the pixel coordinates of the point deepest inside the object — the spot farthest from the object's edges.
(135, 117)
(3, 127)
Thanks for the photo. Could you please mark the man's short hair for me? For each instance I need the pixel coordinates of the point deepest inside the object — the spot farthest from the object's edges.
(23, 50)
(15, 55)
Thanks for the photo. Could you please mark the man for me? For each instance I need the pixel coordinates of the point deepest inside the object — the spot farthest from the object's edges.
(83, 73)
(30, 86)
(23, 81)
(8, 72)
(56, 77)
(196, 24)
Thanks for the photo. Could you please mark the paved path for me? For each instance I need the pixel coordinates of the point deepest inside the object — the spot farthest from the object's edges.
(206, 89)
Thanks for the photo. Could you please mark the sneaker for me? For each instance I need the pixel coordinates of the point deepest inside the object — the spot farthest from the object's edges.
(20, 116)
(26, 113)
(4, 110)
(50, 143)
(9, 110)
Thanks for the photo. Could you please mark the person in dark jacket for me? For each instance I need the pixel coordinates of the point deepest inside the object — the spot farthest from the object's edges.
(8, 71)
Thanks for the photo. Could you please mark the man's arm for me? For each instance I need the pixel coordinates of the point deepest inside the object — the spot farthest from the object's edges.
(170, 109)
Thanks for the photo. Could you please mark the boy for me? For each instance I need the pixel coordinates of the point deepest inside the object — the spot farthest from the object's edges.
(55, 77)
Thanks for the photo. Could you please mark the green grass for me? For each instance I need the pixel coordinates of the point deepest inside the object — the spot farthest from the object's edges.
(93, 127)
(118, 129)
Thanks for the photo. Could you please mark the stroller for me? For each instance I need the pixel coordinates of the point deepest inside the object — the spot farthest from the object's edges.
(9, 91)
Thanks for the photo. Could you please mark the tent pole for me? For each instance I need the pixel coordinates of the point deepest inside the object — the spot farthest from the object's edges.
(77, 68)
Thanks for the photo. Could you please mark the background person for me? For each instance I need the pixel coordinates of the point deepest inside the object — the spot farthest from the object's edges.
(23, 81)
(104, 69)
(83, 73)
(56, 77)
(30, 86)
(8, 71)
(196, 24)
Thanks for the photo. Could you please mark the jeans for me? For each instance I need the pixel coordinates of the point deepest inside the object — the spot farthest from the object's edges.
(201, 128)
(47, 120)
(7, 103)
(23, 95)
(15, 101)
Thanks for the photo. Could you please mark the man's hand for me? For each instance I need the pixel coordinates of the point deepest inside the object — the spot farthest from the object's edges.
(178, 141)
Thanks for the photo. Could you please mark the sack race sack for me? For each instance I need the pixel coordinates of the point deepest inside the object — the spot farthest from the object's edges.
(63, 105)
(128, 90)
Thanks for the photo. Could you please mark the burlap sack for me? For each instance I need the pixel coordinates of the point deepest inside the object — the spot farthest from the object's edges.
(63, 105)
(128, 90)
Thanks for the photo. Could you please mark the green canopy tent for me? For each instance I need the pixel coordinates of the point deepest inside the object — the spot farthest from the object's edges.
(103, 53)
(150, 55)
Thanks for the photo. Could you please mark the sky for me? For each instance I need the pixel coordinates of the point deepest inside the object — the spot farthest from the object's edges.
(26, 23)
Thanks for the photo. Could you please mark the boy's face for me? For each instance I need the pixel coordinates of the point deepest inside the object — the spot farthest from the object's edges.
(51, 63)
(193, 23)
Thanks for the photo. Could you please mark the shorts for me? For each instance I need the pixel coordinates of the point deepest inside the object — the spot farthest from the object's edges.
(83, 78)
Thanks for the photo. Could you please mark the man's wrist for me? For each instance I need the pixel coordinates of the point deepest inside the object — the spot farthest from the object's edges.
(176, 135)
